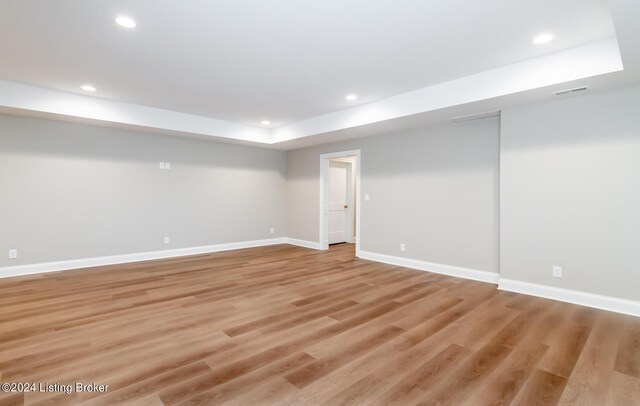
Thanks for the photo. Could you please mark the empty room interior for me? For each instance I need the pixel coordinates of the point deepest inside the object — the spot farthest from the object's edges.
(356, 202)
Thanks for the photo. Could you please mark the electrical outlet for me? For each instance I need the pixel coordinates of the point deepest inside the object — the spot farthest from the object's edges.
(13, 254)
(272, 230)
(557, 271)
(167, 240)
(161, 165)
(403, 247)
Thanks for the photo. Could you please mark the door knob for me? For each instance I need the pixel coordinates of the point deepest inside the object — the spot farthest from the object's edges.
(346, 206)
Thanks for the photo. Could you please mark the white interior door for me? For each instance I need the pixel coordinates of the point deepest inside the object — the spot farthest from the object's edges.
(338, 202)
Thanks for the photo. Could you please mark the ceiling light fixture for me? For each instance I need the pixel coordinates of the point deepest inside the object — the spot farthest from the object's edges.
(266, 122)
(543, 38)
(351, 97)
(126, 22)
(88, 88)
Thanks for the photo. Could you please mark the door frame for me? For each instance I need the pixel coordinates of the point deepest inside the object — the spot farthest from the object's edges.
(323, 238)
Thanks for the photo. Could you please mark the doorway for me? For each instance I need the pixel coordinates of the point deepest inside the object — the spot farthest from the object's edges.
(339, 199)
(341, 196)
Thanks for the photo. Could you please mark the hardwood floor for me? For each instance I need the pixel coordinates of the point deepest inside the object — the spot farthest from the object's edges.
(287, 325)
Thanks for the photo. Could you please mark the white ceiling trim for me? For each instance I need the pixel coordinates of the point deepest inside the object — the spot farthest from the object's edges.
(53, 102)
(581, 62)
(585, 61)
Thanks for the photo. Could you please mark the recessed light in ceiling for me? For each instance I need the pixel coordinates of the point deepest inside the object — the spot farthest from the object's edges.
(126, 22)
(351, 97)
(88, 88)
(543, 38)
(266, 122)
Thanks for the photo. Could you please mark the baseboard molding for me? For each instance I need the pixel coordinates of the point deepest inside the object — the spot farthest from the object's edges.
(450, 270)
(20, 270)
(602, 302)
(302, 243)
(609, 303)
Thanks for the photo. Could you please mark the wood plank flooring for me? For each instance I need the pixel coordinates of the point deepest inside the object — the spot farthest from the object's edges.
(285, 325)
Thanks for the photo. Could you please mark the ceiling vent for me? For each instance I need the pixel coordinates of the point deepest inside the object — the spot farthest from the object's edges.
(475, 116)
(571, 91)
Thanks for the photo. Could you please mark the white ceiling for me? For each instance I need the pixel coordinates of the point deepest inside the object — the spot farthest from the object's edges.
(230, 64)
(282, 60)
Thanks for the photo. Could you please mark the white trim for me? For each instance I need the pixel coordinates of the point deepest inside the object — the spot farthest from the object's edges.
(466, 273)
(19, 270)
(580, 62)
(49, 103)
(602, 302)
(323, 226)
(584, 61)
(302, 243)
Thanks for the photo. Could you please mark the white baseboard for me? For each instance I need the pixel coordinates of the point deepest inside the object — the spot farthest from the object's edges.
(609, 303)
(19, 270)
(602, 302)
(466, 273)
(613, 304)
(302, 243)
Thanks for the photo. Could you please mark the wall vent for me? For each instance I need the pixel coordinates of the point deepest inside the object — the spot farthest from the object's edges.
(475, 116)
(571, 91)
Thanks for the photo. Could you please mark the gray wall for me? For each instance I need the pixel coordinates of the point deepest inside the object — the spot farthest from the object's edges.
(434, 189)
(70, 191)
(570, 193)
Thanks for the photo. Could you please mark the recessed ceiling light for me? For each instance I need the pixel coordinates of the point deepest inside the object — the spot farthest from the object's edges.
(543, 38)
(266, 122)
(88, 88)
(126, 22)
(351, 97)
